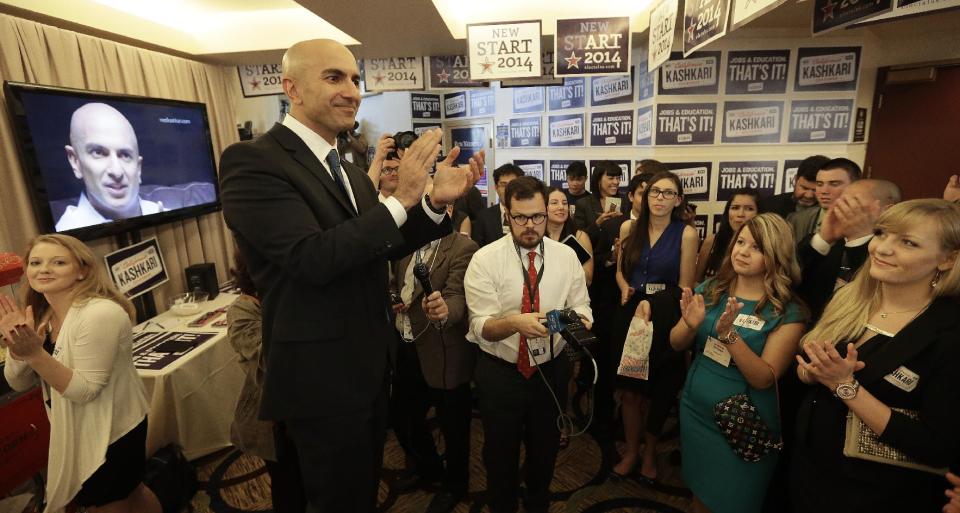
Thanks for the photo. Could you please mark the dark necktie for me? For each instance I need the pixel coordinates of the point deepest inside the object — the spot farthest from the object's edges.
(529, 305)
(333, 160)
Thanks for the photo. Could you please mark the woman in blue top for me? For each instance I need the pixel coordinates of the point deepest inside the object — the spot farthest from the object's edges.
(745, 324)
(658, 252)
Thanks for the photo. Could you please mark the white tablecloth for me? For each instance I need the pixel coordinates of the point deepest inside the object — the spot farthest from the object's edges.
(193, 399)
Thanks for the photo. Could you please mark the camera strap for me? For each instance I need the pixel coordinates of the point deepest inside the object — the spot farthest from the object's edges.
(532, 288)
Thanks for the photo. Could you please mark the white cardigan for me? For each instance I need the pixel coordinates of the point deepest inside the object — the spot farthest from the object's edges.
(104, 400)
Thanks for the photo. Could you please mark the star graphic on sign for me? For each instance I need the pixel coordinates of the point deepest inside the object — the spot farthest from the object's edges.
(828, 10)
(690, 33)
(486, 65)
(573, 61)
(255, 83)
(443, 76)
(378, 78)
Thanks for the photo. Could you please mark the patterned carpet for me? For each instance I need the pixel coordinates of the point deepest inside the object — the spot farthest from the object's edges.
(234, 482)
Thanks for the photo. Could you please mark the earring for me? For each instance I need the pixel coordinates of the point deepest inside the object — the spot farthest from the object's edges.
(936, 279)
(79, 278)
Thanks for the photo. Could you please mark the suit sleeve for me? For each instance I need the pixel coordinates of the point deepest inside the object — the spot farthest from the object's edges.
(263, 207)
(453, 292)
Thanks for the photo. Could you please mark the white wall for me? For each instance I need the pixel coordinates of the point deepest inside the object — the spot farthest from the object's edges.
(384, 113)
(263, 111)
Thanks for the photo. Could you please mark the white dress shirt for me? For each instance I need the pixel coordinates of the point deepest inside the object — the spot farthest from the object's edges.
(83, 214)
(494, 289)
(320, 148)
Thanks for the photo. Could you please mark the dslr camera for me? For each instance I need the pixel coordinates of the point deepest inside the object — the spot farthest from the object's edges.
(568, 324)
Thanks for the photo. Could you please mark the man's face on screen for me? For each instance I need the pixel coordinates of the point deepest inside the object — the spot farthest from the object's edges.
(104, 154)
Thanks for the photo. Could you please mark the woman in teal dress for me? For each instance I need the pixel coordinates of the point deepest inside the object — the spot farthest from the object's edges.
(744, 325)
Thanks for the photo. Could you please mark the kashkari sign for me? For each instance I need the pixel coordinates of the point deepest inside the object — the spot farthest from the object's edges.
(504, 50)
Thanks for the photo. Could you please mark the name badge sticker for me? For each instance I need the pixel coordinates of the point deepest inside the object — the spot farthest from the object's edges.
(903, 378)
(653, 288)
(751, 322)
(716, 351)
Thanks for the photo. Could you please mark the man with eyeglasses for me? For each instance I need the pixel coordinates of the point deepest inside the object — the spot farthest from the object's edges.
(510, 285)
(388, 179)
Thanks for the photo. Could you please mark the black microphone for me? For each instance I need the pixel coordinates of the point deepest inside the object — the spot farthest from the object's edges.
(422, 273)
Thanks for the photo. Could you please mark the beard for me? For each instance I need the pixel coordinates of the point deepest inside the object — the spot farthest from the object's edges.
(529, 239)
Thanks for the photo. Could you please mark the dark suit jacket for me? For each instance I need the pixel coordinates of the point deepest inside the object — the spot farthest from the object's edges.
(488, 226)
(781, 204)
(928, 348)
(321, 271)
(588, 210)
(453, 352)
(818, 273)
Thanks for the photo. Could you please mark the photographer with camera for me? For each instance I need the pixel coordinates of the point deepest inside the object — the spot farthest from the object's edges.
(510, 285)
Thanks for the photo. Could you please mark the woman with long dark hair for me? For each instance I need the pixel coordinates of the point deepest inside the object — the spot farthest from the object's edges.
(740, 208)
(591, 212)
(658, 252)
(560, 226)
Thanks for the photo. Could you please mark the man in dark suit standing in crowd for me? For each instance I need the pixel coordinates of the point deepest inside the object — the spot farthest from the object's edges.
(317, 241)
(804, 194)
(490, 224)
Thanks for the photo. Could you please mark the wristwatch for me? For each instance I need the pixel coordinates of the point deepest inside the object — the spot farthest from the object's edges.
(731, 337)
(432, 208)
(847, 390)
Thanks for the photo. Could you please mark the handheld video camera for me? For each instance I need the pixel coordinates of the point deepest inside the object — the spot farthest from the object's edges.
(568, 324)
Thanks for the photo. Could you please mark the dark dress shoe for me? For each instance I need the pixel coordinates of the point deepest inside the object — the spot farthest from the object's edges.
(443, 502)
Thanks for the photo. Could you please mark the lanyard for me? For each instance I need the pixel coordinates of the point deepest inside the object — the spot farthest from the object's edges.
(532, 288)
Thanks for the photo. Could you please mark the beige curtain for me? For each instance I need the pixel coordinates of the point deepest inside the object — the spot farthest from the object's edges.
(42, 54)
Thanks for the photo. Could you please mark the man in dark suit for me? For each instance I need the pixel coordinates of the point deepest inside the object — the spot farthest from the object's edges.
(438, 370)
(316, 241)
(489, 225)
(804, 194)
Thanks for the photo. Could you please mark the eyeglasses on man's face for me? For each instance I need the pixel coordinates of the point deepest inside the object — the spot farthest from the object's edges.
(522, 220)
(389, 170)
(653, 192)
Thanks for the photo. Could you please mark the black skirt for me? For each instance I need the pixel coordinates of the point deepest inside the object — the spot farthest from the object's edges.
(120, 474)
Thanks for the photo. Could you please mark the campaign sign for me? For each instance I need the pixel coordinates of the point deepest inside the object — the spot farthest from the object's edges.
(260, 79)
(820, 120)
(482, 102)
(612, 89)
(532, 168)
(757, 72)
(663, 22)
(451, 72)
(790, 174)
(832, 14)
(827, 69)
(592, 46)
(646, 80)
(624, 166)
(911, 8)
(644, 126)
(703, 22)
(503, 135)
(751, 122)
(745, 11)
(570, 95)
(685, 123)
(138, 268)
(760, 175)
(565, 130)
(470, 140)
(697, 74)
(527, 99)
(420, 128)
(524, 132)
(695, 177)
(611, 128)
(393, 74)
(425, 106)
(504, 50)
(558, 172)
(455, 105)
(701, 222)
(544, 79)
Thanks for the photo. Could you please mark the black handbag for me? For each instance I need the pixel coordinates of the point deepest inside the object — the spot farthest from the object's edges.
(740, 423)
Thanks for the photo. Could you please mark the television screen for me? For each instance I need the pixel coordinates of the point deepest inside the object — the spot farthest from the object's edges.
(99, 164)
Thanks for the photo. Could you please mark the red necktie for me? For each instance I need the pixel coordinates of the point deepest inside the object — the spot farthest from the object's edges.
(523, 358)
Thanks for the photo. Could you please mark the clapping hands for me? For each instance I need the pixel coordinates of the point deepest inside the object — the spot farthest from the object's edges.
(692, 308)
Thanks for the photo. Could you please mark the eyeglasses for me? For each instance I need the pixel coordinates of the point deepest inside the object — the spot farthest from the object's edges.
(522, 220)
(389, 170)
(653, 192)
